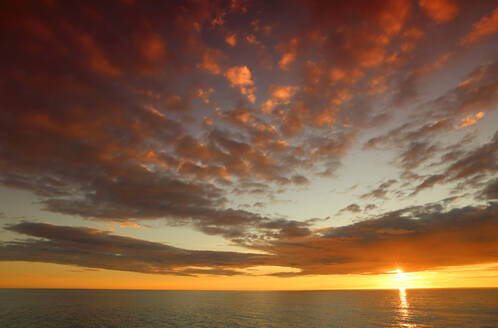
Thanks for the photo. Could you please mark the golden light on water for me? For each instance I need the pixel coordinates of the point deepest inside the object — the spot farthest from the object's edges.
(403, 302)
(404, 309)
(402, 281)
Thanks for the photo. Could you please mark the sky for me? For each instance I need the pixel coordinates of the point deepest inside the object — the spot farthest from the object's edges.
(249, 144)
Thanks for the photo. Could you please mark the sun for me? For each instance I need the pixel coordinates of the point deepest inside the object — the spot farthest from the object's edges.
(400, 279)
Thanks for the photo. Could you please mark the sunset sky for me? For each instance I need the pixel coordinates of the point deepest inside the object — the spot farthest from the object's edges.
(249, 144)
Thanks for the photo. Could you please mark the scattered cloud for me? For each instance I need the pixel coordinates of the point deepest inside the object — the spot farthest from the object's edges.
(240, 76)
(415, 238)
(441, 11)
(486, 26)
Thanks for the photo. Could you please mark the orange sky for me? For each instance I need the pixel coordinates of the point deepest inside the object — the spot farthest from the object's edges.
(29, 275)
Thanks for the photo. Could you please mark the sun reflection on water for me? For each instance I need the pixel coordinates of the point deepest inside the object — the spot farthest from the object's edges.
(404, 309)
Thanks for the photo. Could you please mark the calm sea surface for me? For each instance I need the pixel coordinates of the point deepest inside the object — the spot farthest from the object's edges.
(374, 308)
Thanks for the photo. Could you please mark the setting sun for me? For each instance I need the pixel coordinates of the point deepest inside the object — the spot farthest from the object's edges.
(401, 279)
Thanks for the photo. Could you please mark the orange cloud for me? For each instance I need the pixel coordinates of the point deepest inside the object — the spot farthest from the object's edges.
(192, 149)
(251, 38)
(371, 57)
(325, 117)
(411, 37)
(486, 26)
(471, 120)
(393, 16)
(231, 39)
(441, 11)
(97, 61)
(377, 85)
(295, 120)
(210, 60)
(342, 95)
(289, 53)
(414, 238)
(240, 76)
(204, 94)
(152, 50)
(279, 95)
(436, 65)
(208, 121)
(337, 74)
(152, 47)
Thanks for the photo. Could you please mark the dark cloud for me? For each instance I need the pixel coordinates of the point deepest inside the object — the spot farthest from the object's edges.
(472, 164)
(381, 191)
(370, 207)
(429, 183)
(414, 238)
(479, 92)
(93, 248)
(415, 143)
(353, 208)
(300, 180)
(490, 191)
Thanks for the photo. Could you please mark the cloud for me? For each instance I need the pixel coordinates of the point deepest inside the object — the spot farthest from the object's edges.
(477, 162)
(486, 26)
(279, 95)
(289, 53)
(353, 208)
(490, 191)
(96, 60)
(416, 154)
(300, 180)
(210, 60)
(480, 160)
(381, 191)
(370, 207)
(91, 248)
(153, 52)
(429, 183)
(477, 93)
(471, 120)
(240, 76)
(414, 238)
(231, 39)
(441, 11)
(417, 238)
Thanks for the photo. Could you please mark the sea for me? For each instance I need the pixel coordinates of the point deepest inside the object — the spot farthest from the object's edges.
(56, 308)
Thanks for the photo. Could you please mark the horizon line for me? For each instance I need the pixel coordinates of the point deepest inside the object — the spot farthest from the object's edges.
(242, 290)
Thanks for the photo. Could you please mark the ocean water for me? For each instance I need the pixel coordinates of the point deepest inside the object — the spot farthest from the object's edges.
(368, 308)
